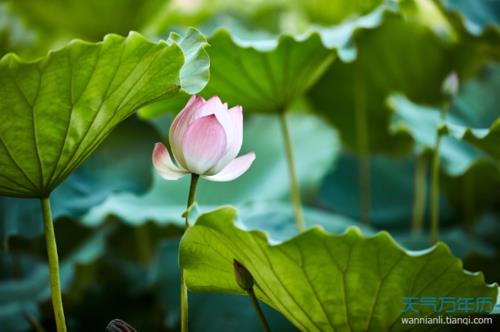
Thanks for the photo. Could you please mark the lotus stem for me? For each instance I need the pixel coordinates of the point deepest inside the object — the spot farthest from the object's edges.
(435, 192)
(245, 280)
(364, 188)
(55, 284)
(34, 323)
(294, 185)
(363, 144)
(183, 287)
(435, 179)
(420, 194)
(258, 309)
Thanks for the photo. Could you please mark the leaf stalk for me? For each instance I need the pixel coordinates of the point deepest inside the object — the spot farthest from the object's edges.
(183, 287)
(55, 283)
(292, 171)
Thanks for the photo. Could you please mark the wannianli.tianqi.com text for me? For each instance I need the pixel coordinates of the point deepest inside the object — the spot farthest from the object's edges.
(446, 320)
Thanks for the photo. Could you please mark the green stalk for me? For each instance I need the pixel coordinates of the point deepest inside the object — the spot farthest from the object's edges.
(420, 193)
(435, 180)
(435, 192)
(184, 294)
(363, 145)
(35, 324)
(55, 284)
(294, 185)
(255, 303)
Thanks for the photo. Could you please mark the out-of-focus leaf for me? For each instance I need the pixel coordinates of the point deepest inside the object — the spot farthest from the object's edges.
(321, 281)
(422, 123)
(269, 73)
(14, 36)
(329, 12)
(478, 14)
(21, 296)
(277, 220)
(56, 110)
(121, 163)
(266, 180)
(266, 73)
(90, 19)
(352, 95)
(461, 243)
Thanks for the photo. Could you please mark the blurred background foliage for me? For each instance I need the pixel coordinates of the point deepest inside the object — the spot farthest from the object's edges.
(361, 136)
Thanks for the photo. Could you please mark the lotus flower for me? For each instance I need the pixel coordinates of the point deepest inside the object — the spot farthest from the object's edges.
(205, 139)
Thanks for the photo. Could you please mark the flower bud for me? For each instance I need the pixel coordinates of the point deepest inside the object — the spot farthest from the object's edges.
(205, 138)
(450, 85)
(243, 278)
(117, 325)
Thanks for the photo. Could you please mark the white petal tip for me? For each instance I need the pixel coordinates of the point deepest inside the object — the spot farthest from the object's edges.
(164, 165)
(234, 169)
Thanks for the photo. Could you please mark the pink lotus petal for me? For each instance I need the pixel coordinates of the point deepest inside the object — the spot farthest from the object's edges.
(235, 138)
(215, 106)
(180, 125)
(203, 144)
(164, 165)
(234, 169)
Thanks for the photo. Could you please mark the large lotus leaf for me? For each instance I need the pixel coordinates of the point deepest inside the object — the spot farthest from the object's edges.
(56, 110)
(20, 296)
(121, 163)
(324, 282)
(266, 74)
(90, 19)
(267, 179)
(352, 95)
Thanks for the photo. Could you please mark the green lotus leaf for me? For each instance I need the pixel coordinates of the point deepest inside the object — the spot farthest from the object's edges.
(324, 282)
(56, 110)
(352, 95)
(90, 19)
(267, 74)
(268, 177)
(122, 163)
